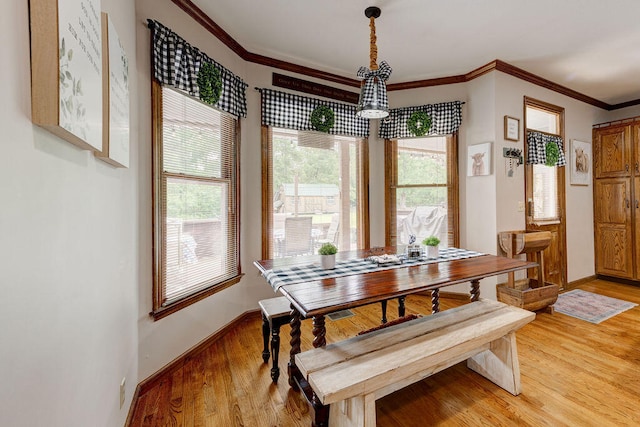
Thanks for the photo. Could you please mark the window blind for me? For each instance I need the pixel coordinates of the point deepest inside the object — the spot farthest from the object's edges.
(197, 197)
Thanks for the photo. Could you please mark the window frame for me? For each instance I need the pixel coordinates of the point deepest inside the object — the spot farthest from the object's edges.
(267, 192)
(159, 309)
(391, 184)
(559, 174)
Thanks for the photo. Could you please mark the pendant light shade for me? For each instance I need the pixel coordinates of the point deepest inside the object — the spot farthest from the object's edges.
(373, 102)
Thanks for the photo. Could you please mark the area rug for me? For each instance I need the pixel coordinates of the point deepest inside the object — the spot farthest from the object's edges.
(591, 307)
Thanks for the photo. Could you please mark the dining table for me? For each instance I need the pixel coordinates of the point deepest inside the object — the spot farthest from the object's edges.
(358, 280)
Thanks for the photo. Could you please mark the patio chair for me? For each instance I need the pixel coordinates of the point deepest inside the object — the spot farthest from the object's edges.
(297, 236)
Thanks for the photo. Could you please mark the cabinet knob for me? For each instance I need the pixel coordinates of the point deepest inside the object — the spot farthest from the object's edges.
(637, 170)
(626, 167)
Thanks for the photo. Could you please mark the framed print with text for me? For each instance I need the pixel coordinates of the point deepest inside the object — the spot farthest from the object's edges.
(66, 70)
(115, 96)
(511, 128)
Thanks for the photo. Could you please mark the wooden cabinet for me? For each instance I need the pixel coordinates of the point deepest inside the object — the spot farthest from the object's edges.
(616, 195)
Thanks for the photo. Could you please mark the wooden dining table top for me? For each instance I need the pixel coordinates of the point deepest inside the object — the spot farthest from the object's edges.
(323, 296)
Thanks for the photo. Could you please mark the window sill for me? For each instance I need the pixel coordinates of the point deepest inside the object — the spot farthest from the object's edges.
(161, 312)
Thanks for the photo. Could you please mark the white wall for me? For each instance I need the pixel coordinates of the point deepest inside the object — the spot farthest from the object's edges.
(68, 256)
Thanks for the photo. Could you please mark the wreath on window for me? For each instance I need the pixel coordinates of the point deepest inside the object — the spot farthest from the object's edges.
(419, 123)
(322, 118)
(209, 83)
(552, 153)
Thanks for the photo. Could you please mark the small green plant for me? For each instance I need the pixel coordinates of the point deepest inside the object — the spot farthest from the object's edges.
(328, 249)
(431, 241)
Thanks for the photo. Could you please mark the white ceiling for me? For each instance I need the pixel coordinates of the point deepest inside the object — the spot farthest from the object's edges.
(590, 46)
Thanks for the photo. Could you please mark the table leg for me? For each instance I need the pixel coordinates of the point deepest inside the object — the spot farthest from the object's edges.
(435, 300)
(320, 417)
(401, 309)
(292, 369)
(319, 332)
(475, 290)
(384, 311)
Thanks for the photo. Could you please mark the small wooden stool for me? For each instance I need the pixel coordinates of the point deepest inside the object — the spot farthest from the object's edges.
(275, 313)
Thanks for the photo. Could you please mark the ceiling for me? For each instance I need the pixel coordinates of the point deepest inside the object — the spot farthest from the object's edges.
(590, 46)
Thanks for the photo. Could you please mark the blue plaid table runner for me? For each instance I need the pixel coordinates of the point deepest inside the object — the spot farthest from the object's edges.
(304, 273)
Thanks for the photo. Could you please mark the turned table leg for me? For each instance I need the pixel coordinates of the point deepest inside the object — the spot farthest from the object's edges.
(401, 308)
(475, 290)
(435, 300)
(292, 369)
(383, 304)
(319, 332)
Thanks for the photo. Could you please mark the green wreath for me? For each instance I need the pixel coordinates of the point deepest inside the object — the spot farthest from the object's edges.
(209, 83)
(322, 118)
(419, 123)
(552, 153)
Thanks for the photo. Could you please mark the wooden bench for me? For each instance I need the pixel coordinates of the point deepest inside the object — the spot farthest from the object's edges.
(351, 375)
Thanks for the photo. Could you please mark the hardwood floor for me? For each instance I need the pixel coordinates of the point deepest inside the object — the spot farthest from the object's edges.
(574, 373)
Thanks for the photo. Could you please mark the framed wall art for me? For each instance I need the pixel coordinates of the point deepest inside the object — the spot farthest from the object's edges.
(115, 97)
(511, 128)
(580, 160)
(479, 159)
(66, 69)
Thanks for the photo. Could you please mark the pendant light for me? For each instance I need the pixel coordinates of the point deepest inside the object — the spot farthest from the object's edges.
(373, 102)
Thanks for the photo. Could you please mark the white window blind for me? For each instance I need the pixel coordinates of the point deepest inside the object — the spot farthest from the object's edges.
(196, 198)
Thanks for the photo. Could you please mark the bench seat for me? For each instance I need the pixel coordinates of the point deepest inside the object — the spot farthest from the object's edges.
(352, 374)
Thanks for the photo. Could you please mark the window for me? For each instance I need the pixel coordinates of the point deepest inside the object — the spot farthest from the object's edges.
(422, 189)
(543, 200)
(195, 200)
(314, 192)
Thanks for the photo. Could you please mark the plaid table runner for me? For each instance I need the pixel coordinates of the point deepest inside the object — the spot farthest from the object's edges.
(304, 273)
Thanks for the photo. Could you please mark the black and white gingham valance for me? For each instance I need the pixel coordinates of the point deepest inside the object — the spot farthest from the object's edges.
(289, 111)
(536, 153)
(446, 118)
(176, 63)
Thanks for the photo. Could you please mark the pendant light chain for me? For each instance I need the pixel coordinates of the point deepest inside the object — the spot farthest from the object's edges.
(373, 49)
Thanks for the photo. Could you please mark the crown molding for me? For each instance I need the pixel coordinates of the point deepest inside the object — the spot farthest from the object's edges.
(497, 65)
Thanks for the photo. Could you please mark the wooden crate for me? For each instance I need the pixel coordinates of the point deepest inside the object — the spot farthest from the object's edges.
(528, 298)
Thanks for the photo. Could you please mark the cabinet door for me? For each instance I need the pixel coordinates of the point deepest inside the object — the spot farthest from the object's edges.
(635, 142)
(613, 235)
(612, 152)
(636, 220)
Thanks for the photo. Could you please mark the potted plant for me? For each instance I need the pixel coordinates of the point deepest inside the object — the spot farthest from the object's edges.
(432, 243)
(328, 255)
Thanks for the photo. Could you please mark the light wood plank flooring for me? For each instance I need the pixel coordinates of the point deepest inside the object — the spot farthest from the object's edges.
(574, 373)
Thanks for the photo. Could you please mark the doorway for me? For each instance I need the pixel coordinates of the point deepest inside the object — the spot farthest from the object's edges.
(545, 185)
